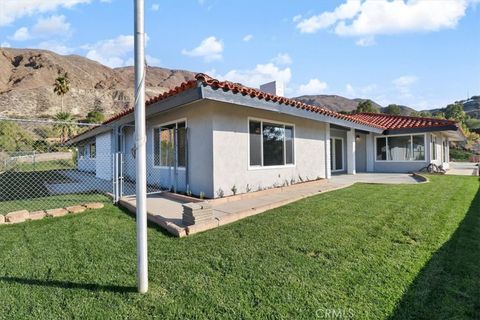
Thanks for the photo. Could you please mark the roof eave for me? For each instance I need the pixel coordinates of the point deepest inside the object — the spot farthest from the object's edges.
(454, 131)
(228, 96)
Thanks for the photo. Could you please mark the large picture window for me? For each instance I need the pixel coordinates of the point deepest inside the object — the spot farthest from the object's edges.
(169, 145)
(271, 144)
(401, 148)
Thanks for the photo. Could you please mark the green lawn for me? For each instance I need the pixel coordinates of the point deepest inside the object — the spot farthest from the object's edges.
(371, 251)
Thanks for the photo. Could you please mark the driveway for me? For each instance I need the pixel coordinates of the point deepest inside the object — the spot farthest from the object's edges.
(388, 178)
(463, 168)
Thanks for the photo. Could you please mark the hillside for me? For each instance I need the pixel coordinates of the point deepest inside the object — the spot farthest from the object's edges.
(27, 77)
(471, 107)
(339, 103)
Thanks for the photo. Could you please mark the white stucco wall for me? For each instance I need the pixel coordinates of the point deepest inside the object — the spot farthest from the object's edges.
(231, 143)
(103, 159)
(198, 117)
(85, 163)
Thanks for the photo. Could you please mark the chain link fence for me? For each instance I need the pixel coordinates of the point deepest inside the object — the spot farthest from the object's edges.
(40, 169)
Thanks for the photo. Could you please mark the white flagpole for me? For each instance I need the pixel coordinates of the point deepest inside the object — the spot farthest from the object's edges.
(141, 172)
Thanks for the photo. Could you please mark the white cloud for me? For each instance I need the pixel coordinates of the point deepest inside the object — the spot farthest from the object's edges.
(297, 18)
(379, 17)
(359, 92)
(155, 7)
(54, 25)
(313, 86)
(11, 10)
(152, 61)
(403, 84)
(324, 20)
(262, 73)
(21, 34)
(55, 46)
(365, 42)
(112, 52)
(210, 49)
(282, 59)
(405, 81)
(247, 37)
(44, 28)
(5, 44)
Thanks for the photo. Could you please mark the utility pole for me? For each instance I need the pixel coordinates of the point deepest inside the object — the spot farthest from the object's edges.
(140, 144)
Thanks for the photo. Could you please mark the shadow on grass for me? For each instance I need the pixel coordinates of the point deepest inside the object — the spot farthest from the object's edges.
(448, 286)
(27, 185)
(69, 285)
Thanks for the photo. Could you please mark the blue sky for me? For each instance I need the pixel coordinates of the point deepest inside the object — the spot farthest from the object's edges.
(423, 53)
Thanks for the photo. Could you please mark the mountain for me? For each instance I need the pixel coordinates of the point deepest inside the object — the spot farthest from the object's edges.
(333, 102)
(27, 77)
(342, 104)
(470, 106)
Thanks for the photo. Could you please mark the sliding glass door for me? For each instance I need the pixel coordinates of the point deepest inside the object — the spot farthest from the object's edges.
(336, 154)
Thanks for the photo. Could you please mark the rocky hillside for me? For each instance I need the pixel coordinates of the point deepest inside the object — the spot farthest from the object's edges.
(27, 77)
(339, 103)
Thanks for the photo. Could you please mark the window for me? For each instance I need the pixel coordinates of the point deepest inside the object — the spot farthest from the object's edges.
(381, 148)
(81, 152)
(445, 150)
(169, 145)
(93, 151)
(400, 148)
(418, 148)
(271, 144)
(434, 147)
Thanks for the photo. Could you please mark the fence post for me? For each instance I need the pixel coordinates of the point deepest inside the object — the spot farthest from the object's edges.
(120, 167)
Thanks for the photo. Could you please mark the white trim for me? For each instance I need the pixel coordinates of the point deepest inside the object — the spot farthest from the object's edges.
(262, 167)
(176, 122)
(332, 148)
(411, 146)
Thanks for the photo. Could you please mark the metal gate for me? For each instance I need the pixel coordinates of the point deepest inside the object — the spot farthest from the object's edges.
(167, 165)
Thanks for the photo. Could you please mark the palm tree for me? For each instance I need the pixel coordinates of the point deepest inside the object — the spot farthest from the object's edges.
(65, 125)
(61, 86)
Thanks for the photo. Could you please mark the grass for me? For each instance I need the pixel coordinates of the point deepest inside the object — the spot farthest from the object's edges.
(24, 187)
(376, 252)
(45, 166)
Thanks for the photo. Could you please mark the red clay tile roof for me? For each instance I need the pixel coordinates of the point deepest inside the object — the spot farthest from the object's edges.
(393, 122)
(380, 121)
(236, 88)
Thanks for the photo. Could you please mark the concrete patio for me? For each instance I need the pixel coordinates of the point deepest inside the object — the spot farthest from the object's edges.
(166, 209)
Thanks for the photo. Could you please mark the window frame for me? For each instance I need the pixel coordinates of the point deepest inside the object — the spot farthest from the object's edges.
(176, 122)
(411, 146)
(343, 154)
(433, 151)
(90, 145)
(294, 151)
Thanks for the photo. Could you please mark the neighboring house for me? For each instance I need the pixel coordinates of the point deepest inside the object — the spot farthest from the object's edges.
(213, 136)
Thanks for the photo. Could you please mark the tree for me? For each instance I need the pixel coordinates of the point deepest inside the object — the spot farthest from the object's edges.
(95, 117)
(13, 137)
(455, 112)
(394, 109)
(65, 125)
(62, 86)
(367, 106)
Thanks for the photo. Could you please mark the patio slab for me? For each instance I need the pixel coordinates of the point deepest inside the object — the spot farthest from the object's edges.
(166, 209)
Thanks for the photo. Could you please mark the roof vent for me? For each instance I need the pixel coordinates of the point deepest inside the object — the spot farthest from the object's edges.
(274, 87)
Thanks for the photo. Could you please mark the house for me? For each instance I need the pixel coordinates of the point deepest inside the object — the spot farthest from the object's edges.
(218, 137)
